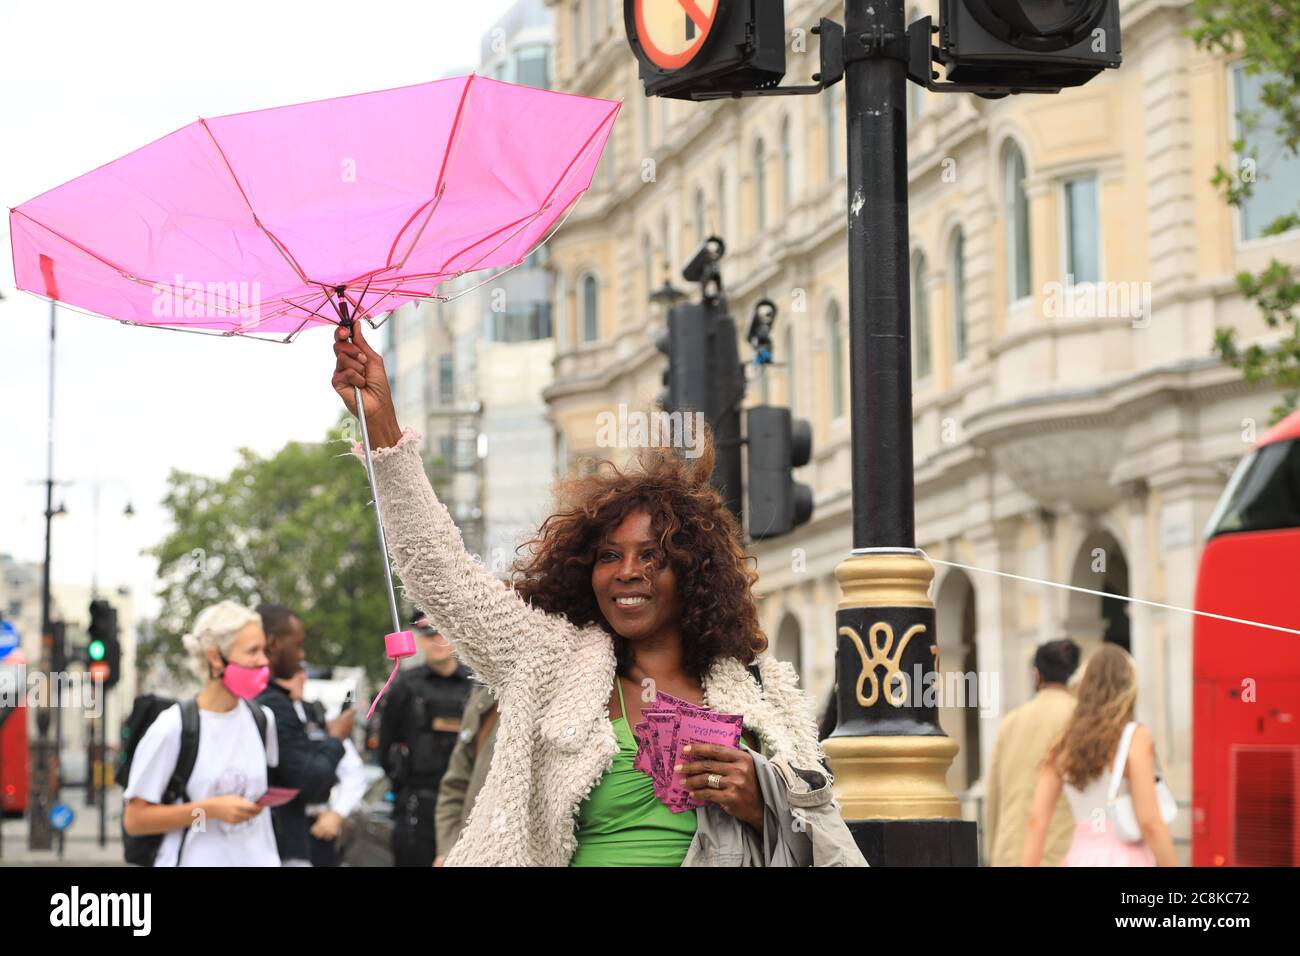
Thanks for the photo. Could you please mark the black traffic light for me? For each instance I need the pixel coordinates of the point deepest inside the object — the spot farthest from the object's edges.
(704, 373)
(685, 342)
(104, 648)
(777, 444)
(1029, 45)
(686, 49)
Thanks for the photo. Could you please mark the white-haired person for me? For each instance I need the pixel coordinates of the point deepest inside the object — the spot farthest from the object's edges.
(216, 821)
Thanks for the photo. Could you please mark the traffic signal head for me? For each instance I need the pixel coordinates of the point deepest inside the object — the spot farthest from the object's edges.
(707, 46)
(777, 444)
(104, 648)
(686, 344)
(1031, 45)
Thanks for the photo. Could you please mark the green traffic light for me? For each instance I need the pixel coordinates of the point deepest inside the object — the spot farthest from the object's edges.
(96, 650)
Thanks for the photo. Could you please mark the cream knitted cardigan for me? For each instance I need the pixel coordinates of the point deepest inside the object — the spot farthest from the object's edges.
(551, 678)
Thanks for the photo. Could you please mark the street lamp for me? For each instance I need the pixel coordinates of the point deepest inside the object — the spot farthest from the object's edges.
(667, 295)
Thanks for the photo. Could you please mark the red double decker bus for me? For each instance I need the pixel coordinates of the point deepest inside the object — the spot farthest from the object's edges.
(1246, 680)
(14, 757)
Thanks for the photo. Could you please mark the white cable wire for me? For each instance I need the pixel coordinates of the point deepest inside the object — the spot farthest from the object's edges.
(1106, 594)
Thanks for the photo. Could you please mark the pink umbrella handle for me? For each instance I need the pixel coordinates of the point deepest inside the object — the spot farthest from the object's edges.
(397, 645)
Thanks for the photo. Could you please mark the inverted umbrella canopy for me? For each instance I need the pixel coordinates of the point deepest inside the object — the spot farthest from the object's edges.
(269, 222)
(249, 223)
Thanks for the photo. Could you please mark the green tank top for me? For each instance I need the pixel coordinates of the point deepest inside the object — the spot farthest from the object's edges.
(622, 822)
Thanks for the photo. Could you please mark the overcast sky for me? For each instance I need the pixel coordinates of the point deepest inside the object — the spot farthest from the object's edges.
(83, 82)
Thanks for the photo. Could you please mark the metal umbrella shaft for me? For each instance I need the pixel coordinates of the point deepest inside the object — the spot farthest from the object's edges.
(370, 474)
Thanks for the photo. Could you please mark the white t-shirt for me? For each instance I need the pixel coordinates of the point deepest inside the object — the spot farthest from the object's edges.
(230, 760)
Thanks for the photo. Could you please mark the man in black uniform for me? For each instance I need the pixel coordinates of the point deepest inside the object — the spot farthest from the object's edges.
(417, 733)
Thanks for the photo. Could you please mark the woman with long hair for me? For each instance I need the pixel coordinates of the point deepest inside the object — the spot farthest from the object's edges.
(636, 584)
(1081, 761)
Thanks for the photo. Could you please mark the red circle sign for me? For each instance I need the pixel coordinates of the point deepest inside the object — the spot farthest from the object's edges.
(671, 32)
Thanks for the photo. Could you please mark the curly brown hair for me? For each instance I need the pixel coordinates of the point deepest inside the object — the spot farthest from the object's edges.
(697, 534)
(1107, 696)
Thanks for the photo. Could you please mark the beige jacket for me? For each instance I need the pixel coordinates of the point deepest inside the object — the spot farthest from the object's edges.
(1023, 739)
(552, 681)
(467, 768)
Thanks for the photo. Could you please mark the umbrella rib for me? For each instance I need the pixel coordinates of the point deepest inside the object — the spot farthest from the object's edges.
(76, 245)
(440, 187)
(437, 200)
(279, 246)
(130, 277)
(522, 223)
(582, 149)
(514, 265)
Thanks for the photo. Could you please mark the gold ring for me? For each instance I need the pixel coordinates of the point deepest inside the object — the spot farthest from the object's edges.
(715, 781)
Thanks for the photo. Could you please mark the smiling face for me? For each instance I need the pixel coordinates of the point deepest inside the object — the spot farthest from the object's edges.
(638, 598)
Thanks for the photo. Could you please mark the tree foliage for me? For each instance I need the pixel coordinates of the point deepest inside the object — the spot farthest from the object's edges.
(296, 529)
(1267, 35)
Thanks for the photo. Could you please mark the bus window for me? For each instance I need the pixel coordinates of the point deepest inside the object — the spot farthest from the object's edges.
(1264, 493)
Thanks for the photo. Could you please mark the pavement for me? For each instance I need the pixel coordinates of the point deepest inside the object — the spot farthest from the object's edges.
(80, 840)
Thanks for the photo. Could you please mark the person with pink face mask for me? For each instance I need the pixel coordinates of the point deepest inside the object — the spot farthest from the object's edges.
(217, 820)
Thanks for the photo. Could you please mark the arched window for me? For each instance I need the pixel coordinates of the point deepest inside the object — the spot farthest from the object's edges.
(787, 165)
(701, 217)
(760, 183)
(957, 272)
(835, 352)
(1016, 216)
(1082, 232)
(831, 131)
(920, 318)
(915, 92)
(590, 308)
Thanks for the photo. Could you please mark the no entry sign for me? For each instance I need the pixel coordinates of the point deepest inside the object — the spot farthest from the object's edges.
(671, 32)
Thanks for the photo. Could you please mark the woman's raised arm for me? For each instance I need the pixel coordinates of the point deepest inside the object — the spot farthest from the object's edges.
(490, 625)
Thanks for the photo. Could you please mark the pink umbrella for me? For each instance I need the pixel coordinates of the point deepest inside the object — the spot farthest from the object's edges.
(265, 223)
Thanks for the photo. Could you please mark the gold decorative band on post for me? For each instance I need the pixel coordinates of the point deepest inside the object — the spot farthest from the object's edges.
(885, 580)
(881, 656)
(893, 778)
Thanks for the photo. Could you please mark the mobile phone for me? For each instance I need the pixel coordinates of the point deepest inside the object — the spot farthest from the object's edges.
(347, 704)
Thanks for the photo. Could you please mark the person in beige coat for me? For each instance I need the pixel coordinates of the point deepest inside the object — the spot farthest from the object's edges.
(636, 584)
(467, 769)
(1023, 739)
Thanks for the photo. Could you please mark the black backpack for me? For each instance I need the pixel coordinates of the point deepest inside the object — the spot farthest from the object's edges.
(143, 850)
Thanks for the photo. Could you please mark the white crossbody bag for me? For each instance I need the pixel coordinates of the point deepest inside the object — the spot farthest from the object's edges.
(1119, 807)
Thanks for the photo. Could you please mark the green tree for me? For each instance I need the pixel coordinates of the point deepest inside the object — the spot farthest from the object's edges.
(297, 529)
(1267, 33)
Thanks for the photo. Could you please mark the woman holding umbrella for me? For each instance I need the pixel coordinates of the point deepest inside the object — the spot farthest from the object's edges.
(636, 584)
